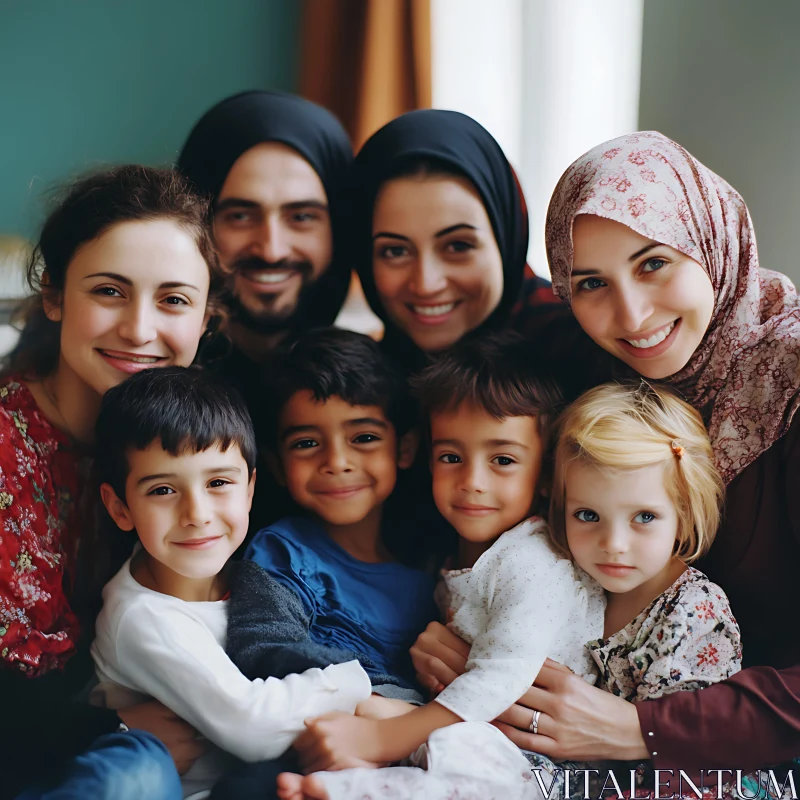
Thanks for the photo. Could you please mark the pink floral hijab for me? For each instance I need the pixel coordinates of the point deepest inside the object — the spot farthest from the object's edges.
(745, 375)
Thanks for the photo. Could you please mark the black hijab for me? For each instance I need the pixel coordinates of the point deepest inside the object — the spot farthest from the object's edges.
(461, 143)
(240, 122)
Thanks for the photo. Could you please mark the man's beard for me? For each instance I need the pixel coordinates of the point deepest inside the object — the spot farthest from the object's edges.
(268, 321)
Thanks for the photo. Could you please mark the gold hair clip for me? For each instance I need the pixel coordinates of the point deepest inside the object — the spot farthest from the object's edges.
(677, 449)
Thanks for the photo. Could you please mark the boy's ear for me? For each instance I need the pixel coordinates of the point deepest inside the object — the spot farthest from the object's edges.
(275, 467)
(117, 510)
(409, 443)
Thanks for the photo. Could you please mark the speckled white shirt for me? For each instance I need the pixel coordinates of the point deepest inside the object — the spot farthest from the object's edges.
(520, 603)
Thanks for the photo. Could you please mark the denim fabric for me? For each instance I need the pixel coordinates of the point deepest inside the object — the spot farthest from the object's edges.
(118, 766)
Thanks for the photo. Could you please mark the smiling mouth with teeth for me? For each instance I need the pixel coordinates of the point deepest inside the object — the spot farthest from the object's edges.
(267, 278)
(130, 357)
(656, 338)
(433, 311)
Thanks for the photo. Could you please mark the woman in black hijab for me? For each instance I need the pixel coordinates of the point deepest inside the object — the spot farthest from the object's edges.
(440, 236)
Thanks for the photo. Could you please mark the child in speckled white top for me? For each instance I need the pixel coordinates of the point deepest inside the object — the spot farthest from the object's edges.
(513, 598)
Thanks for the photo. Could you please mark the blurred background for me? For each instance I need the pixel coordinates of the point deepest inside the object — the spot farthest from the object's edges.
(90, 83)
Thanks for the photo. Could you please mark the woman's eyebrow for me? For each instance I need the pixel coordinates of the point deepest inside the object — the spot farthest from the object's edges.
(177, 285)
(632, 257)
(390, 236)
(114, 276)
(643, 250)
(442, 232)
(455, 227)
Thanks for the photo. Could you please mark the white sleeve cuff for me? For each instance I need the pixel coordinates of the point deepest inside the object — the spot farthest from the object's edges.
(350, 680)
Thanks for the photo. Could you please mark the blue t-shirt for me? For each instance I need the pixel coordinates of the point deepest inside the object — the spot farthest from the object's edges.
(374, 609)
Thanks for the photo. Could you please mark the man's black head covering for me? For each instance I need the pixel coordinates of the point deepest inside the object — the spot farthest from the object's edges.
(461, 143)
(240, 122)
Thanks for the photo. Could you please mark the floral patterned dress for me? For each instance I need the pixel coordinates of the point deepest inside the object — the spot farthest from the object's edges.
(685, 640)
(39, 479)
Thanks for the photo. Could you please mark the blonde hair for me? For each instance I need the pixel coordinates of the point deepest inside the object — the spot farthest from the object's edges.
(630, 426)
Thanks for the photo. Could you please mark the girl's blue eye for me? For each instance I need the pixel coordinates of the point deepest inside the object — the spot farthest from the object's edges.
(449, 458)
(653, 264)
(587, 515)
(590, 284)
(173, 300)
(217, 483)
(644, 517)
(504, 461)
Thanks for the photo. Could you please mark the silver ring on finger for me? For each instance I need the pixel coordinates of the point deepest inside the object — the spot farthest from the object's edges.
(534, 726)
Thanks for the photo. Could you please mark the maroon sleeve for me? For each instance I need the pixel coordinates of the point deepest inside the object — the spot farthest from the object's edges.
(751, 720)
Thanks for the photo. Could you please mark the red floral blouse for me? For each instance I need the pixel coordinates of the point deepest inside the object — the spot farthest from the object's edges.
(39, 478)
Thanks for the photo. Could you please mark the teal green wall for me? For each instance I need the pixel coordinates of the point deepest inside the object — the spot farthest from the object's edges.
(91, 82)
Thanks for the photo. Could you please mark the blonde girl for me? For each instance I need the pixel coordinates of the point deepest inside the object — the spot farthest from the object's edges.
(636, 501)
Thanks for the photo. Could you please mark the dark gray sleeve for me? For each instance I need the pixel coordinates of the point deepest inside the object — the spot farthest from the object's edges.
(268, 628)
(398, 693)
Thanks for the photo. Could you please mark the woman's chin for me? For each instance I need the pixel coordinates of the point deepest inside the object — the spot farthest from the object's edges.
(435, 343)
(656, 369)
(432, 341)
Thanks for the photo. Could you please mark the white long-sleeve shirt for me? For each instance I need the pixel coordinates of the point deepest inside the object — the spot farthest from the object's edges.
(174, 651)
(519, 604)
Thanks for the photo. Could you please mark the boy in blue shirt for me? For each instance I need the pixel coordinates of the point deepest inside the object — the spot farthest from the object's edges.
(343, 428)
(325, 586)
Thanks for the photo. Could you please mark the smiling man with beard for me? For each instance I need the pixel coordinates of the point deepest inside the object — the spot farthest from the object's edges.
(276, 166)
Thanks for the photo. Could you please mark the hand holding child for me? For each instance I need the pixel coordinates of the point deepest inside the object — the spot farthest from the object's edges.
(180, 738)
(578, 721)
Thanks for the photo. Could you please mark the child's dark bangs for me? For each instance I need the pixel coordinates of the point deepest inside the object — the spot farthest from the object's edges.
(191, 445)
(500, 399)
(200, 428)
